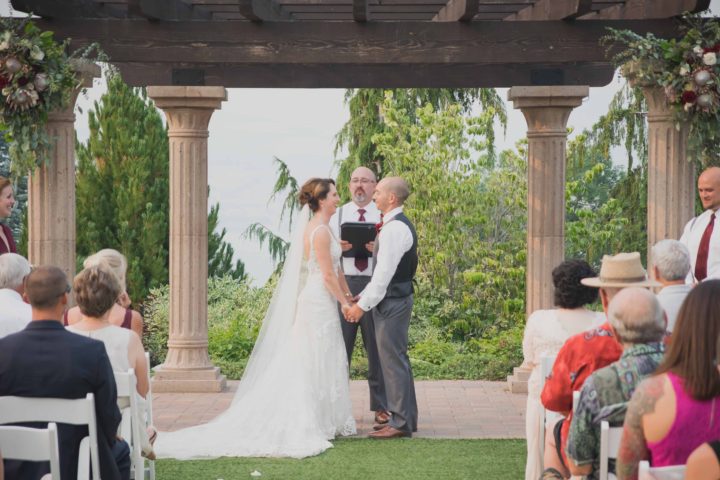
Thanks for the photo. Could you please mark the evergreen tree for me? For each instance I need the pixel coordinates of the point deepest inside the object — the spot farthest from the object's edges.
(122, 191)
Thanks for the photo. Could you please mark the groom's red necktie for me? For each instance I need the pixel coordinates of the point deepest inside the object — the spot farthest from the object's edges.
(361, 263)
(703, 250)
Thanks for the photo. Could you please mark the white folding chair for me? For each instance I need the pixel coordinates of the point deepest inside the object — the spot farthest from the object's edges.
(129, 428)
(32, 445)
(546, 364)
(609, 447)
(674, 472)
(150, 470)
(80, 411)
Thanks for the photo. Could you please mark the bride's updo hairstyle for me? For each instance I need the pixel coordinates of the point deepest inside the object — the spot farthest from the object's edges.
(313, 191)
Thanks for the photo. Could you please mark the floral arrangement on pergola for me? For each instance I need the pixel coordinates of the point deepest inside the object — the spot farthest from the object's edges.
(36, 77)
(688, 70)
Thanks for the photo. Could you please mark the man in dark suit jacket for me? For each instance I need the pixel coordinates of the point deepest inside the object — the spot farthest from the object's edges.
(45, 360)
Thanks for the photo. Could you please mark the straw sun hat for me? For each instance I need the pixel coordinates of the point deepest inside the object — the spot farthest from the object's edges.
(619, 271)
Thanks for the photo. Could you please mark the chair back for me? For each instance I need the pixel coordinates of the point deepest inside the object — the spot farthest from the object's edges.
(546, 364)
(149, 417)
(129, 428)
(674, 472)
(32, 445)
(79, 411)
(576, 400)
(609, 447)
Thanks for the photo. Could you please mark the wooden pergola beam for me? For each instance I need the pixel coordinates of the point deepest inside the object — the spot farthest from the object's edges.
(635, 9)
(457, 11)
(342, 43)
(366, 76)
(69, 9)
(360, 11)
(553, 10)
(262, 11)
(173, 10)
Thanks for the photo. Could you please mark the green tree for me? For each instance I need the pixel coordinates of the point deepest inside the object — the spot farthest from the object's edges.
(366, 120)
(122, 191)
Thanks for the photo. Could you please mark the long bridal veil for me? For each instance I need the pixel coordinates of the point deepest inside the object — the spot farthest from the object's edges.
(276, 326)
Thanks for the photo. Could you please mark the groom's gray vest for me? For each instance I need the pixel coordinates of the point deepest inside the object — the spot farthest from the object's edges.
(401, 284)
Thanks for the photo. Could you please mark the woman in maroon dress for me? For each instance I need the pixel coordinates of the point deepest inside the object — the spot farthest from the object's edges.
(7, 202)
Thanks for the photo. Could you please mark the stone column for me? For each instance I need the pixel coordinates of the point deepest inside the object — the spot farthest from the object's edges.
(51, 188)
(187, 367)
(546, 110)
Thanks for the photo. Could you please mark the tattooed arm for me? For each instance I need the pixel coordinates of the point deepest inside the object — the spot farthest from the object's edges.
(633, 447)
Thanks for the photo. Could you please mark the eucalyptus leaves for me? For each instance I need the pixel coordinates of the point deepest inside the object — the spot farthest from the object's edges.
(36, 77)
(687, 69)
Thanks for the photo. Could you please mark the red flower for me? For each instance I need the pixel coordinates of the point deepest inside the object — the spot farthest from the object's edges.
(4, 82)
(378, 226)
(689, 96)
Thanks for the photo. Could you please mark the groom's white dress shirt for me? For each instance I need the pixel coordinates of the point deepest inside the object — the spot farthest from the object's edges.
(692, 234)
(350, 214)
(14, 314)
(395, 239)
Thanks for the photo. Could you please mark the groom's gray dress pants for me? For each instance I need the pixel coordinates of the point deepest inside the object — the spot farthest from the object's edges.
(375, 379)
(392, 321)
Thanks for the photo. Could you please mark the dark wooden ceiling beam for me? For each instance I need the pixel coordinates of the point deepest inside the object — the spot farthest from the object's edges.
(262, 11)
(457, 11)
(367, 76)
(360, 11)
(637, 9)
(69, 9)
(173, 10)
(489, 43)
(553, 10)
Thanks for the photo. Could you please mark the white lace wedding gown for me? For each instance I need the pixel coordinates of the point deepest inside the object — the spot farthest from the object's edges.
(297, 400)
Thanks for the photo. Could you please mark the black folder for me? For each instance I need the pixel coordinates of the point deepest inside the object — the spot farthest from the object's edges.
(358, 234)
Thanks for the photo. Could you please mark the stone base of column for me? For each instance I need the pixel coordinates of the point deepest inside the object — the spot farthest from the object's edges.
(208, 380)
(518, 381)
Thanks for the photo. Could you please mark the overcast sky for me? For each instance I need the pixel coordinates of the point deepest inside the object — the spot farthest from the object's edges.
(298, 126)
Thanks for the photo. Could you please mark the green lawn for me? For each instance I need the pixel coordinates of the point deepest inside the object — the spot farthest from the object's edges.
(364, 459)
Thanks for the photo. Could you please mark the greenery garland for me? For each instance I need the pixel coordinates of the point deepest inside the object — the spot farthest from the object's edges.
(36, 77)
(687, 69)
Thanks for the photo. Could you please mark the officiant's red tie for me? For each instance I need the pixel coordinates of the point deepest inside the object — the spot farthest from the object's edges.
(703, 250)
(361, 263)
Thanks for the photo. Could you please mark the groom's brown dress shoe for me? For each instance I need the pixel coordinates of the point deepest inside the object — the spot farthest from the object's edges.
(382, 417)
(379, 426)
(389, 432)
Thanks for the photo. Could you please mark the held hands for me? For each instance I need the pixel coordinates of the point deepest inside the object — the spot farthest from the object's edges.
(353, 313)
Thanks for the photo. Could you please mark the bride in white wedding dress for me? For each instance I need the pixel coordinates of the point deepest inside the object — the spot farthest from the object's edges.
(294, 395)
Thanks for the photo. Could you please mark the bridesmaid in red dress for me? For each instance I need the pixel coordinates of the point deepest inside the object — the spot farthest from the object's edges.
(7, 202)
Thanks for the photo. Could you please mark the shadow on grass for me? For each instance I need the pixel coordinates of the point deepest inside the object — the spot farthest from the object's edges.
(364, 459)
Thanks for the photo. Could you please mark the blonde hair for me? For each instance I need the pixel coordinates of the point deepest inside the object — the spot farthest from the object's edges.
(112, 260)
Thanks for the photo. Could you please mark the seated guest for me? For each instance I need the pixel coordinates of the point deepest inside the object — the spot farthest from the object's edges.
(121, 313)
(638, 322)
(15, 313)
(678, 408)
(586, 352)
(96, 290)
(671, 265)
(545, 333)
(45, 360)
(704, 462)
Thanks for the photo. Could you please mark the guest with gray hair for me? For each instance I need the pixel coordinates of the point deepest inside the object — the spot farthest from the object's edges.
(638, 321)
(15, 314)
(671, 260)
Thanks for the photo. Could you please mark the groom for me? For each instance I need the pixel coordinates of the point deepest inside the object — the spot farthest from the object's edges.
(390, 295)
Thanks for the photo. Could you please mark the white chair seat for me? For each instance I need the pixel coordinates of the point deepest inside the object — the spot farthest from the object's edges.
(674, 472)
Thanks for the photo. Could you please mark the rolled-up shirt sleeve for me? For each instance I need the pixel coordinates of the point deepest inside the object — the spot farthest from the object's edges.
(395, 239)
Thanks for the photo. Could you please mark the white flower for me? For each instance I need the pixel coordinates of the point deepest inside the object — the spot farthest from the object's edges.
(4, 45)
(698, 50)
(709, 58)
(687, 107)
(683, 70)
(37, 54)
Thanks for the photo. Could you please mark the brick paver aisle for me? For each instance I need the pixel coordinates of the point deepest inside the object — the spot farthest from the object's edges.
(448, 409)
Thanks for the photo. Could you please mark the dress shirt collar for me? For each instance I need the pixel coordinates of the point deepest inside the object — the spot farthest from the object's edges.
(45, 325)
(679, 288)
(641, 349)
(392, 214)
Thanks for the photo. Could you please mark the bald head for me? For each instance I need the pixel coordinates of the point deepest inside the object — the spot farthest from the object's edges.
(636, 316)
(398, 187)
(362, 186)
(45, 287)
(709, 188)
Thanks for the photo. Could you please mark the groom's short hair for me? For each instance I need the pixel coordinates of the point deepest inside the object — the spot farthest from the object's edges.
(399, 187)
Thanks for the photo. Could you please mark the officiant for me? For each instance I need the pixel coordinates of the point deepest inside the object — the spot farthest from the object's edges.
(358, 270)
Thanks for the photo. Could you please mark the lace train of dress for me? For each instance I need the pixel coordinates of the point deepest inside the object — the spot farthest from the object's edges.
(299, 402)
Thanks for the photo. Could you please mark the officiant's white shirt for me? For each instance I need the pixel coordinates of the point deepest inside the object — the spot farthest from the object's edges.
(691, 237)
(350, 214)
(395, 239)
